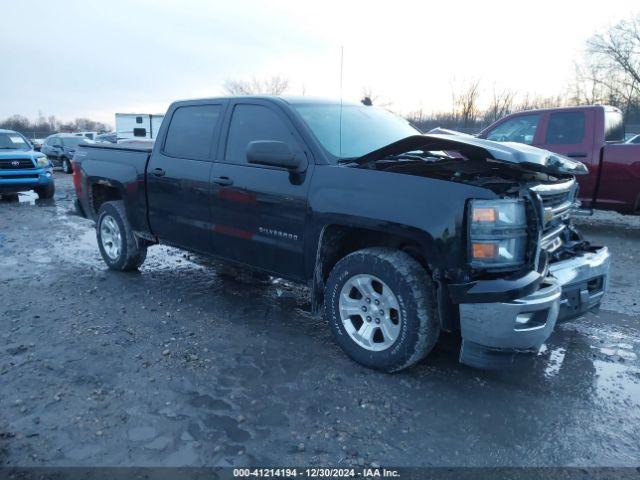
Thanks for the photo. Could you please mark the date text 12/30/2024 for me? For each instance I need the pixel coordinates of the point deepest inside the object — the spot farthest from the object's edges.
(315, 473)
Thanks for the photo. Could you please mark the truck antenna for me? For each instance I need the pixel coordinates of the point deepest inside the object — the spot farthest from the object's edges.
(340, 120)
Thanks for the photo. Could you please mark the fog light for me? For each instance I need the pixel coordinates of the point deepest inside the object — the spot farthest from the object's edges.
(524, 318)
(47, 174)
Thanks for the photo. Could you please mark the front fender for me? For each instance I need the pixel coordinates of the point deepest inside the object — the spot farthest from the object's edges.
(429, 211)
(423, 211)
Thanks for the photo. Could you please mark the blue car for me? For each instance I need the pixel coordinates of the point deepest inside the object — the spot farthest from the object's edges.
(22, 168)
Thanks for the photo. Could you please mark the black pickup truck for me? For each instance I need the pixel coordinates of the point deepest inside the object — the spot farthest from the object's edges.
(398, 235)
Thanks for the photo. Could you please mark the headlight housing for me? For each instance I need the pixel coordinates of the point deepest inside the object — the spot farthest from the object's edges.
(43, 162)
(497, 233)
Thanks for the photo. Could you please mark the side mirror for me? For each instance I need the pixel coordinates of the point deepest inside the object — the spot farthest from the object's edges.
(272, 153)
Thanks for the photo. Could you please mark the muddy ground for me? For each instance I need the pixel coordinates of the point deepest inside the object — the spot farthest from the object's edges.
(180, 364)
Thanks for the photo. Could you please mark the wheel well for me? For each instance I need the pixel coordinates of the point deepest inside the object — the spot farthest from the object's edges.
(103, 193)
(338, 241)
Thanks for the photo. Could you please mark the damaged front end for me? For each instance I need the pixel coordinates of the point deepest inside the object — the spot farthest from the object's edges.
(566, 278)
(528, 267)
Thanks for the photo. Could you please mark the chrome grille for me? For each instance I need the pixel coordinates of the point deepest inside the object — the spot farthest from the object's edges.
(15, 163)
(557, 201)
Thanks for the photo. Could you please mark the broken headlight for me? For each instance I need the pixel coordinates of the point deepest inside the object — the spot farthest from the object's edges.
(497, 233)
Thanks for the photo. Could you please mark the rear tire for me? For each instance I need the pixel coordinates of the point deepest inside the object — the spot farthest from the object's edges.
(119, 247)
(66, 165)
(398, 295)
(47, 192)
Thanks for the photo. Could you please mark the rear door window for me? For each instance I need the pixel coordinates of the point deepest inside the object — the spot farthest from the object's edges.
(613, 126)
(520, 129)
(565, 128)
(191, 131)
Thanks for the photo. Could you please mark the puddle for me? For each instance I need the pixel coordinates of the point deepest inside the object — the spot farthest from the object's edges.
(618, 379)
(618, 352)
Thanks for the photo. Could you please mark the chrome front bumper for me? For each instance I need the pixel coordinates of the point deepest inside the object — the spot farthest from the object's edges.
(572, 288)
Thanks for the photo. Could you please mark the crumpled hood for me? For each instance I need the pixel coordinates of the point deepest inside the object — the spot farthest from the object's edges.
(473, 148)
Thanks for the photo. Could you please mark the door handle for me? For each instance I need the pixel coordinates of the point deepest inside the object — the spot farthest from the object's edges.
(158, 172)
(577, 155)
(224, 181)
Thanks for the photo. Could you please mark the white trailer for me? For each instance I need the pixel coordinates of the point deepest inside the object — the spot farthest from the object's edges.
(138, 125)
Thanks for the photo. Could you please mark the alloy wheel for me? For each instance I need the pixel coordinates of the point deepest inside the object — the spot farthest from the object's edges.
(370, 312)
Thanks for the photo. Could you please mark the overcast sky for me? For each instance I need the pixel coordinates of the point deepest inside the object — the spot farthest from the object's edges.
(91, 59)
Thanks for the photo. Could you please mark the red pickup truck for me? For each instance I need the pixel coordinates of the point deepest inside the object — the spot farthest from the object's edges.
(594, 135)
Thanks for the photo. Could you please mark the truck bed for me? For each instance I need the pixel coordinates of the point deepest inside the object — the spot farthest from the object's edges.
(121, 168)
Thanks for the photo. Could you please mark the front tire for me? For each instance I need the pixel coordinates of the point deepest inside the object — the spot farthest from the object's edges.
(66, 165)
(381, 307)
(119, 247)
(47, 192)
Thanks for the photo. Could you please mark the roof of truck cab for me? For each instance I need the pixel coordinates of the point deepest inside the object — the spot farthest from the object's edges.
(290, 99)
(607, 108)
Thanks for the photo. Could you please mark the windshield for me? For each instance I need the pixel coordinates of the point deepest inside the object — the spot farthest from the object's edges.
(13, 141)
(364, 129)
(72, 142)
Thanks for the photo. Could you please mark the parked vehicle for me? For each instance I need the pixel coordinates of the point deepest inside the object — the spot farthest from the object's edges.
(136, 142)
(37, 143)
(591, 134)
(22, 168)
(59, 149)
(138, 125)
(89, 135)
(634, 140)
(398, 235)
(107, 138)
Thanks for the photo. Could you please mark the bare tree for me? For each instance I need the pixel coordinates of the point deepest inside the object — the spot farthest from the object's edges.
(17, 122)
(533, 102)
(610, 72)
(619, 47)
(275, 85)
(43, 126)
(466, 103)
(501, 104)
(88, 124)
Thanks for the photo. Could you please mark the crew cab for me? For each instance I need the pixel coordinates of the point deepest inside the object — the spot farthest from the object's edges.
(594, 135)
(398, 235)
(22, 168)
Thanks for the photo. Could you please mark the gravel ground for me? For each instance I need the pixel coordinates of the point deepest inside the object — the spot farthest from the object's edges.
(181, 364)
